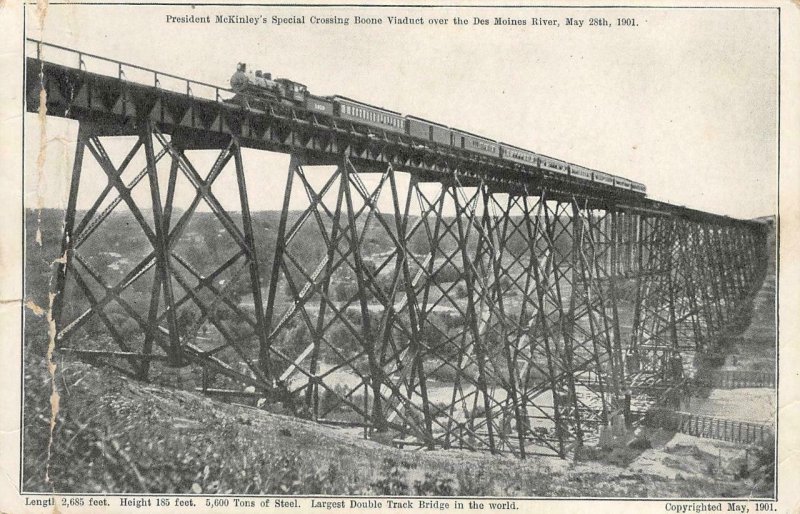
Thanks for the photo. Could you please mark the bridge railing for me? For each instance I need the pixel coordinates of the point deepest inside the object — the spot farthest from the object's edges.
(69, 57)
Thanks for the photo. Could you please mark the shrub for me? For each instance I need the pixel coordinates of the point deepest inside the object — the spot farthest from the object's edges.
(434, 486)
(393, 480)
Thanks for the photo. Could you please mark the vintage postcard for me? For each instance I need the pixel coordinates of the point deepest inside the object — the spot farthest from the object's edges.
(459, 256)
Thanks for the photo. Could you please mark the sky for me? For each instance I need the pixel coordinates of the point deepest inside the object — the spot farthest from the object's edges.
(685, 102)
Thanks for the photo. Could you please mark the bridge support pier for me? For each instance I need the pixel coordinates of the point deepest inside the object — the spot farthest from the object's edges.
(159, 322)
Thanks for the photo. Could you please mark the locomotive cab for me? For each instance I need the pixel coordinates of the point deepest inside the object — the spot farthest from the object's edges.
(293, 91)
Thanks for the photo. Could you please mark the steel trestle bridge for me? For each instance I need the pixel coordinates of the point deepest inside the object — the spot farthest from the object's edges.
(543, 310)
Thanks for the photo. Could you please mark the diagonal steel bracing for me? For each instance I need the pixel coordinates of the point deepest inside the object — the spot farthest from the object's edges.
(435, 311)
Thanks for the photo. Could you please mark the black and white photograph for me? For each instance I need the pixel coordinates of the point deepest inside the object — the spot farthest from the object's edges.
(435, 257)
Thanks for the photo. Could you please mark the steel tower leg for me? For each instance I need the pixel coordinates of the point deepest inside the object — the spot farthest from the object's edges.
(67, 238)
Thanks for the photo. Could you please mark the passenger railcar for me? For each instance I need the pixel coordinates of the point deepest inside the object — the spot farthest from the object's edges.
(353, 110)
(603, 178)
(638, 187)
(475, 143)
(622, 183)
(579, 172)
(516, 154)
(555, 165)
(428, 130)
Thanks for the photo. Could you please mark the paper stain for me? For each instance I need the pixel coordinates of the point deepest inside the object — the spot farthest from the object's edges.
(41, 14)
(37, 311)
(41, 159)
(55, 398)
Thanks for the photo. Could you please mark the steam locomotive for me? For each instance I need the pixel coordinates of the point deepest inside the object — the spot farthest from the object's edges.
(257, 90)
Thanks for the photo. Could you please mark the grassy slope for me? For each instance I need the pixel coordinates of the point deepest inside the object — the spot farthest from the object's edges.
(118, 435)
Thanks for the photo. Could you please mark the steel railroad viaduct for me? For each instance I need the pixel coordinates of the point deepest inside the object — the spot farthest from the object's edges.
(546, 308)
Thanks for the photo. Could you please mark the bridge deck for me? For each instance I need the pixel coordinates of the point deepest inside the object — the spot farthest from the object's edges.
(114, 105)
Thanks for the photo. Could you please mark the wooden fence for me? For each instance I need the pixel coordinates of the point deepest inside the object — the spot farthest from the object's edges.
(709, 427)
(736, 379)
